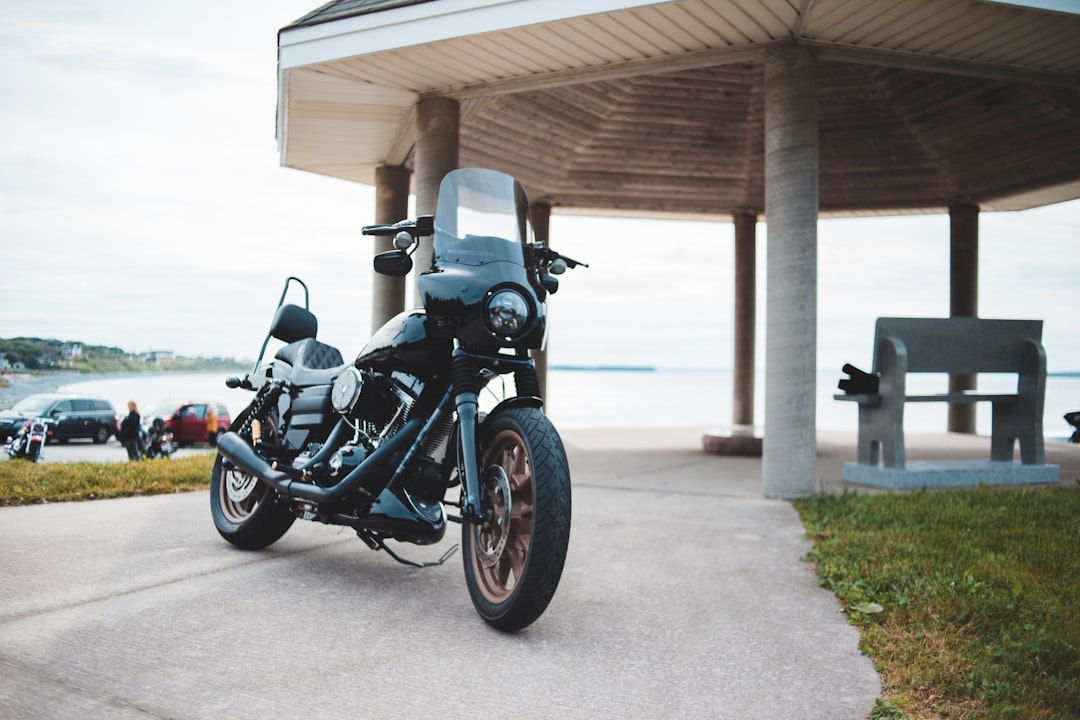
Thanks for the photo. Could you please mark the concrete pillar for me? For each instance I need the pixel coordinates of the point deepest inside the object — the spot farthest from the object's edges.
(791, 210)
(540, 214)
(742, 409)
(438, 122)
(963, 298)
(391, 205)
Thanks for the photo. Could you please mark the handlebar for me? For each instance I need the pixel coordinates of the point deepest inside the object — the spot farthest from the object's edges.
(553, 261)
(420, 227)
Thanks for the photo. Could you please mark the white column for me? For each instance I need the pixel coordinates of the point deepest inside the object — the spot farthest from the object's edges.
(742, 408)
(438, 124)
(540, 214)
(391, 205)
(791, 210)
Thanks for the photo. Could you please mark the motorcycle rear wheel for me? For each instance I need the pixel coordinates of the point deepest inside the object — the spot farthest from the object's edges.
(253, 521)
(514, 560)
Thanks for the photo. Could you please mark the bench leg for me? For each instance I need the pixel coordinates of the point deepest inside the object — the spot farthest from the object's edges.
(867, 446)
(881, 435)
(1014, 422)
(1001, 446)
(894, 451)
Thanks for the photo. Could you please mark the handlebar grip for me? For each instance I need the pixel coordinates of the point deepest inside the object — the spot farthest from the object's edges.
(379, 230)
(422, 225)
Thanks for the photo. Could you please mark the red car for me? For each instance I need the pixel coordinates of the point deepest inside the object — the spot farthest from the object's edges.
(188, 422)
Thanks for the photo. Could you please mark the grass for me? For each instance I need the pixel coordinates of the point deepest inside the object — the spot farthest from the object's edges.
(968, 602)
(26, 483)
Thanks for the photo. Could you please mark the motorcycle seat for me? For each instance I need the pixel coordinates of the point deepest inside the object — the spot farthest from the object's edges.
(313, 362)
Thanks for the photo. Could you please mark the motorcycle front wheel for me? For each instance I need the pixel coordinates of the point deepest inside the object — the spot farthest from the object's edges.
(514, 560)
(246, 511)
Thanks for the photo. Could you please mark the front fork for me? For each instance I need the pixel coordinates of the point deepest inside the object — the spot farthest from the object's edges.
(467, 385)
(468, 410)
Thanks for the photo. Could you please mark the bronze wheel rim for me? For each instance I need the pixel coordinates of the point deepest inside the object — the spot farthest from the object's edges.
(500, 546)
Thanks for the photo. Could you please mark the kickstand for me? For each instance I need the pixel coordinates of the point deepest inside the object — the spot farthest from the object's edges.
(412, 563)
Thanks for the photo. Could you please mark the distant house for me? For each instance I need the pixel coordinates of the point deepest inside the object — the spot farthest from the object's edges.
(72, 352)
(156, 356)
(5, 366)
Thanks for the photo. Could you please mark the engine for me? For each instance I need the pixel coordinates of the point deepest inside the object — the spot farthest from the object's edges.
(375, 406)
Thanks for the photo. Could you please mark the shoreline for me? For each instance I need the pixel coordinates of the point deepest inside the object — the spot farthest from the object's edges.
(25, 386)
(47, 383)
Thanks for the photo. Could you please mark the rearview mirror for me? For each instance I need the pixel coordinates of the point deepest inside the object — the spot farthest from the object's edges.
(394, 263)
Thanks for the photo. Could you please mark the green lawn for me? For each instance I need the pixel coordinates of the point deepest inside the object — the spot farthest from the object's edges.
(25, 483)
(968, 602)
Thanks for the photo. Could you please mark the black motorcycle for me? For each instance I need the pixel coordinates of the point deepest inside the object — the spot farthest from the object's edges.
(394, 444)
(156, 440)
(1073, 418)
(29, 442)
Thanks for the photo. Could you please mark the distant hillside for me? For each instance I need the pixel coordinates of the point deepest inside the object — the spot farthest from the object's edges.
(22, 353)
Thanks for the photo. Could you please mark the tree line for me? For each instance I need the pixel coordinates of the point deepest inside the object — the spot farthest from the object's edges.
(34, 353)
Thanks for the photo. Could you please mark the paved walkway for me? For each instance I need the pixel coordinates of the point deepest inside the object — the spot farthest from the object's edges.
(684, 596)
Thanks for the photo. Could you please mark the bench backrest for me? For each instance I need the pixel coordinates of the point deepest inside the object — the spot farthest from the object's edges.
(959, 345)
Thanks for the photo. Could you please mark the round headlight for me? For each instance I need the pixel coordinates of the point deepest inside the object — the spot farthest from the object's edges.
(507, 313)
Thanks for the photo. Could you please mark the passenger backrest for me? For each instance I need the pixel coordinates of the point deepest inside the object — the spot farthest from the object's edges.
(292, 323)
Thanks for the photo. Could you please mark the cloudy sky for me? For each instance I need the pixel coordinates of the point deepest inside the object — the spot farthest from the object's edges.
(142, 206)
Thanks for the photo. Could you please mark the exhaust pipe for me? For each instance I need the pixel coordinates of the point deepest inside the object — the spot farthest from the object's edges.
(237, 451)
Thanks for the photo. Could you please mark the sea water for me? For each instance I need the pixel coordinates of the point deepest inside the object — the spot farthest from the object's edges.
(620, 398)
(627, 398)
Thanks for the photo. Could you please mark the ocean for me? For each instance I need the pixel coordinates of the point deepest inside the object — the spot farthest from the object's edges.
(627, 398)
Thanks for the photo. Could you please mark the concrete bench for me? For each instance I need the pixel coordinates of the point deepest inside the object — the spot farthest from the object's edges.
(956, 346)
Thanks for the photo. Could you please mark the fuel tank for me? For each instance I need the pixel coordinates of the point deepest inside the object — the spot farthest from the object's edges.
(403, 344)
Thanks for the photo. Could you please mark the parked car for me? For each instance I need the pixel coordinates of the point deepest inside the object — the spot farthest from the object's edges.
(187, 423)
(75, 417)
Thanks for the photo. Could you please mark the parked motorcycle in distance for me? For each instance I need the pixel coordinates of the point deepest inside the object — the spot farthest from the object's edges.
(157, 441)
(388, 443)
(1073, 418)
(29, 443)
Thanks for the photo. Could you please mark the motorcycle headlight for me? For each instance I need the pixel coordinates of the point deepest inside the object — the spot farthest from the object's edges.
(507, 313)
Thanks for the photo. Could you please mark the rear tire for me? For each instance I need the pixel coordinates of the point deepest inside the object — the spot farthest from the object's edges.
(514, 560)
(246, 511)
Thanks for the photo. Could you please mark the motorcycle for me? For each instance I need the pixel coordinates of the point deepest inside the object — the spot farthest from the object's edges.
(1073, 418)
(156, 440)
(394, 444)
(29, 443)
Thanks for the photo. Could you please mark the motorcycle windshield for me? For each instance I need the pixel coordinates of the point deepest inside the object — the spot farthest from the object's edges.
(482, 217)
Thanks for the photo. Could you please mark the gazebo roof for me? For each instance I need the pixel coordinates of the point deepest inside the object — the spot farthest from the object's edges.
(658, 106)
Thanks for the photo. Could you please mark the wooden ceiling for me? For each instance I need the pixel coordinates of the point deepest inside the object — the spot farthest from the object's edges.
(658, 107)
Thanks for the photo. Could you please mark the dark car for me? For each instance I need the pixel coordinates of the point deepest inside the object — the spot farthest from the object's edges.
(188, 422)
(76, 416)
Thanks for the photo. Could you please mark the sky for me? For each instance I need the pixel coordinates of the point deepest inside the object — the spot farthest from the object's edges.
(142, 206)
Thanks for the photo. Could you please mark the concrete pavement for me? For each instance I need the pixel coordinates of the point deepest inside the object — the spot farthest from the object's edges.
(684, 596)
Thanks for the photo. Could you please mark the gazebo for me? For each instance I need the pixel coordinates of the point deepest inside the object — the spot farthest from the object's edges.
(725, 109)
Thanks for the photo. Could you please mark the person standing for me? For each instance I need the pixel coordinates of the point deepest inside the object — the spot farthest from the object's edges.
(211, 425)
(129, 432)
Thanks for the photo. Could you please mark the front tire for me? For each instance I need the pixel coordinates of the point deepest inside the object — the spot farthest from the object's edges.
(514, 560)
(246, 511)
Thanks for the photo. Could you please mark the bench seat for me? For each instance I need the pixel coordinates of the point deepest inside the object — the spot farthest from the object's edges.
(966, 346)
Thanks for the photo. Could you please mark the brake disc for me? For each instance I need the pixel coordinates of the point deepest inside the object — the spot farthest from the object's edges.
(490, 538)
(239, 485)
